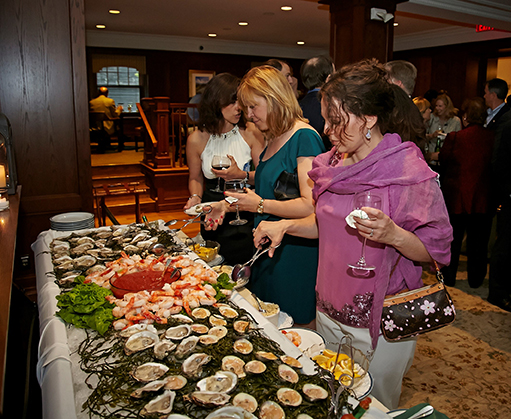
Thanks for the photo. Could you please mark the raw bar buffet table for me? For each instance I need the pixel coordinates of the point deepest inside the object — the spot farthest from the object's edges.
(63, 382)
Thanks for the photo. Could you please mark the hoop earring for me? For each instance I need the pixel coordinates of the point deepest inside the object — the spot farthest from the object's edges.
(368, 135)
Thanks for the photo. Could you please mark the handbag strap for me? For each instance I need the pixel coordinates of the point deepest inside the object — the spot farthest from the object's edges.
(439, 275)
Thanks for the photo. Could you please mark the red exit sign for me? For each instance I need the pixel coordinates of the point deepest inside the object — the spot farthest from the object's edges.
(482, 28)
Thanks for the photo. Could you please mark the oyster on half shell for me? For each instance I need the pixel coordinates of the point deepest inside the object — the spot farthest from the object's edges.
(314, 392)
(163, 347)
(230, 412)
(178, 332)
(288, 374)
(245, 401)
(271, 410)
(192, 366)
(162, 404)
(255, 367)
(289, 397)
(234, 364)
(151, 386)
(209, 398)
(140, 341)
(221, 382)
(175, 382)
(292, 362)
(243, 346)
(149, 371)
(186, 346)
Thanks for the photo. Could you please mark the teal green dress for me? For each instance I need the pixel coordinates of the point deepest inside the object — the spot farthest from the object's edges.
(289, 278)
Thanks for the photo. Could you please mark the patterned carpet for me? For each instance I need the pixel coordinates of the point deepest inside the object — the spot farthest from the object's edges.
(464, 370)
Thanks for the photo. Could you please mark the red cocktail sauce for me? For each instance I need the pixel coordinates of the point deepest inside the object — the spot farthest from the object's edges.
(142, 280)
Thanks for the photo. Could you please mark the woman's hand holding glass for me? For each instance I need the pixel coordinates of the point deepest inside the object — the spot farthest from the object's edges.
(378, 228)
(232, 172)
(247, 201)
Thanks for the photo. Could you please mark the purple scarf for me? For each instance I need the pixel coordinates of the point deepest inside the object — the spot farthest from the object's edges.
(415, 204)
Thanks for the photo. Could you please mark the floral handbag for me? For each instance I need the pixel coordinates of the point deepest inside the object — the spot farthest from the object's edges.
(416, 312)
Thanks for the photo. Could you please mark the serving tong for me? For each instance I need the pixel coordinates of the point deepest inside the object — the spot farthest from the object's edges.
(241, 272)
(206, 209)
(344, 382)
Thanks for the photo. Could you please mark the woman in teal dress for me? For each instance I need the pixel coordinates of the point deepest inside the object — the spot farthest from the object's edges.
(289, 278)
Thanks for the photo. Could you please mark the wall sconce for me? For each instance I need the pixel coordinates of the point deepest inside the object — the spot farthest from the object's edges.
(381, 15)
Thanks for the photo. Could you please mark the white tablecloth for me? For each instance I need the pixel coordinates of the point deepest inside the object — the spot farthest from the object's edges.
(63, 383)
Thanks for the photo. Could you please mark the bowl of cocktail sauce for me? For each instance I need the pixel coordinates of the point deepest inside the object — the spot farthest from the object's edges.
(145, 280)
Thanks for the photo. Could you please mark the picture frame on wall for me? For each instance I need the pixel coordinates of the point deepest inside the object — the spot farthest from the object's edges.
(197, 79)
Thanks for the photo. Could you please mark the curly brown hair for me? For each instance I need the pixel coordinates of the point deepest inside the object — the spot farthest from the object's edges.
(362, 89)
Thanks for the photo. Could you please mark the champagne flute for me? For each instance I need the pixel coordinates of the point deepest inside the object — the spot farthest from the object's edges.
(238, 186)
(365, 199)
(219, 163)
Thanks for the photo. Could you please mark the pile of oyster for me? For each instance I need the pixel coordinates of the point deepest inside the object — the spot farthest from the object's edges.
(208, 360)
(86, 251)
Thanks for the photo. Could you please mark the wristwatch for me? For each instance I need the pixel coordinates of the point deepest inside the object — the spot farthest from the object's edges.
(260, 207)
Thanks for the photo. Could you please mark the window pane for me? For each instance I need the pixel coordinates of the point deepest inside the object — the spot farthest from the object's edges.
(113, 79)
(125, 96)
(123, 76)
(134, 77)
(101, 79)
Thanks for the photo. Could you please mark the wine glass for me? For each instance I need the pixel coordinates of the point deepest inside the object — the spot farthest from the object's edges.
(364, 199)
(238, 186)
(219, 163)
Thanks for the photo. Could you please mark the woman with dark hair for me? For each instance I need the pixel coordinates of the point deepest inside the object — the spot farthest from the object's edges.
(223, 131)
(290, 277)
(410, 227)
(466, 156)
(406, 120)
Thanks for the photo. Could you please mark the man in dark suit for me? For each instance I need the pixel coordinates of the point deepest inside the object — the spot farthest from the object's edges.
(495, 92)
(314, 73)
(500, 279)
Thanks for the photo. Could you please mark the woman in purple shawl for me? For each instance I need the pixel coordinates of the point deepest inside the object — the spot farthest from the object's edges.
(413, 222)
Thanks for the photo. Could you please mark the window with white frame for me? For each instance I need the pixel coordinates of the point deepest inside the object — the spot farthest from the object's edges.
(123, 85)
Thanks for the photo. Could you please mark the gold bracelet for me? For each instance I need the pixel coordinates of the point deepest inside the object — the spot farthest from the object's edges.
(260, 207)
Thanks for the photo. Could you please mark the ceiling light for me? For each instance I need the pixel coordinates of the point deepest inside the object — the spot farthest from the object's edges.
(243, 23)
(286, 8)
(114, 12)
(101, 26)
(300, 42)
(396, 24)
(212, 35)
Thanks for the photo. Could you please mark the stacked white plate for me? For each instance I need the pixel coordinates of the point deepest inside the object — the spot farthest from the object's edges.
(72, 221)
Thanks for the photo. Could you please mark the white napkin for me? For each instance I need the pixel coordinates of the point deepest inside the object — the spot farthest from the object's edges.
(356, 213)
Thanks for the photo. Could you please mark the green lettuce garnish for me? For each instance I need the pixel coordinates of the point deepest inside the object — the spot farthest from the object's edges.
(85, 306)
(223, 283)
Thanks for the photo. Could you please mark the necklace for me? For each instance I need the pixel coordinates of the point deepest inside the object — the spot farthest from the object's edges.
(335, 159)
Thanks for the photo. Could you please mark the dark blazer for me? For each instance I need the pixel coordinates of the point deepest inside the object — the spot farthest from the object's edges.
(311, 107)
(466, 161)
(494, 123)
(502, 164)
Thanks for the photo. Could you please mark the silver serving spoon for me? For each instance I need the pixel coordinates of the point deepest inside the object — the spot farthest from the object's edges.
(258, 302)
(242, 272)
(172, 222)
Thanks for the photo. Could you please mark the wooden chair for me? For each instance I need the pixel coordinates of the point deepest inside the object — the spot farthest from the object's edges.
(98, 133)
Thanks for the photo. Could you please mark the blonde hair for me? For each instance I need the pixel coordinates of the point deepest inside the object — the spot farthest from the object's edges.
(283, 108)
(449, 107)
(421, 103)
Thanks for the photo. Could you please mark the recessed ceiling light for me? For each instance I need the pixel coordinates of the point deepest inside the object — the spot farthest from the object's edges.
(101, 26)
(114, 12)
(286, 8)
(396, 24)
(243, 23)
(300, 42)
(212, 35)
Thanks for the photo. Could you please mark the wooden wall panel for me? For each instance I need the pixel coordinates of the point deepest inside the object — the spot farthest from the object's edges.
(43, 92)
(460, 69)
(167, 71)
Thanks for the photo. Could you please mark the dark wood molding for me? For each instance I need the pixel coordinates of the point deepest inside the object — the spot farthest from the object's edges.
(8, 227)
